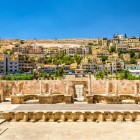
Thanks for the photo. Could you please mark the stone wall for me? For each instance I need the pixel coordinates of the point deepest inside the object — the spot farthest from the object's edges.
(59, 86)
(123, 86)
(32, 87)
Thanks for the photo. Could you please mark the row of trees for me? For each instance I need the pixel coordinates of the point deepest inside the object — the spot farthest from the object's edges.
(61, 58)
(18, 77)
(125, 74)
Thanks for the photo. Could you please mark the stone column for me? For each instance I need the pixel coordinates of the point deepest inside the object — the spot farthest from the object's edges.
(2, 96)
(13, 91)
(50, 91)
(116, 88)
(25, 116)
(41, 87)
(135, 89)
(44, 117)
(82, 117)
(63, 117)
(89, 83)
(22, 92)
(107, 88)
(23, 87)
(67, 89)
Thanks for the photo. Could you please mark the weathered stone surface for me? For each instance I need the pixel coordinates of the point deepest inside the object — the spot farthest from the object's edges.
(43, 99)
(89, 99)
(69, 99)
(17, 99)
(98, 87)
(51, 99)
(97, 116)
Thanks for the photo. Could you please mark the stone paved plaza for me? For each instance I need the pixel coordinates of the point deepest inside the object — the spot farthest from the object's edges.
(78, 107)
(70, 131)
(71, 107)
(84, 107)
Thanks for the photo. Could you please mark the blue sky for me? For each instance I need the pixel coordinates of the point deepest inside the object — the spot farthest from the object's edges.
(49, 19)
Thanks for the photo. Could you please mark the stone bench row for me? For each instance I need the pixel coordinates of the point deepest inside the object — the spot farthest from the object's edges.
(42, 99)
(72, 116)
(120, 99)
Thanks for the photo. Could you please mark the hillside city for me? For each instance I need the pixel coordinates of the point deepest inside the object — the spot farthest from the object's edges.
(117, 58)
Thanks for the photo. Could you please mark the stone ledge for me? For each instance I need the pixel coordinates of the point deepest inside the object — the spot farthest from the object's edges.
(84, 116)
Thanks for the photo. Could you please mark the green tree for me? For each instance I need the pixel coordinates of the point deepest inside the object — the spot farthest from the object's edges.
(132, 61)
(100, 74)
(112, 49)
(126, 74)
(90, 44)
(132, 54)
(59, 72)
(104, 58)
(77, 59)
(5, 51)
(139, 55)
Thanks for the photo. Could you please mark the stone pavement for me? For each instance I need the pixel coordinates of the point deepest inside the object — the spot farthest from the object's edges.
(78, 107)
(70, 131)
(68, 107)
(7, 106)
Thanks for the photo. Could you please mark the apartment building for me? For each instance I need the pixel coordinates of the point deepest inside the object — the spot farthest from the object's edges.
(117, 65)
(134, 42)
(70, 51)
(21, 49)
(81, 51)
(88, 66)
(117, 38)
(88, 50)
(53, 68)
(87, 59)
(25, 64)
(8, 64)
(35, 49)
(122, 47)
(102, 53)
(53, 50)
